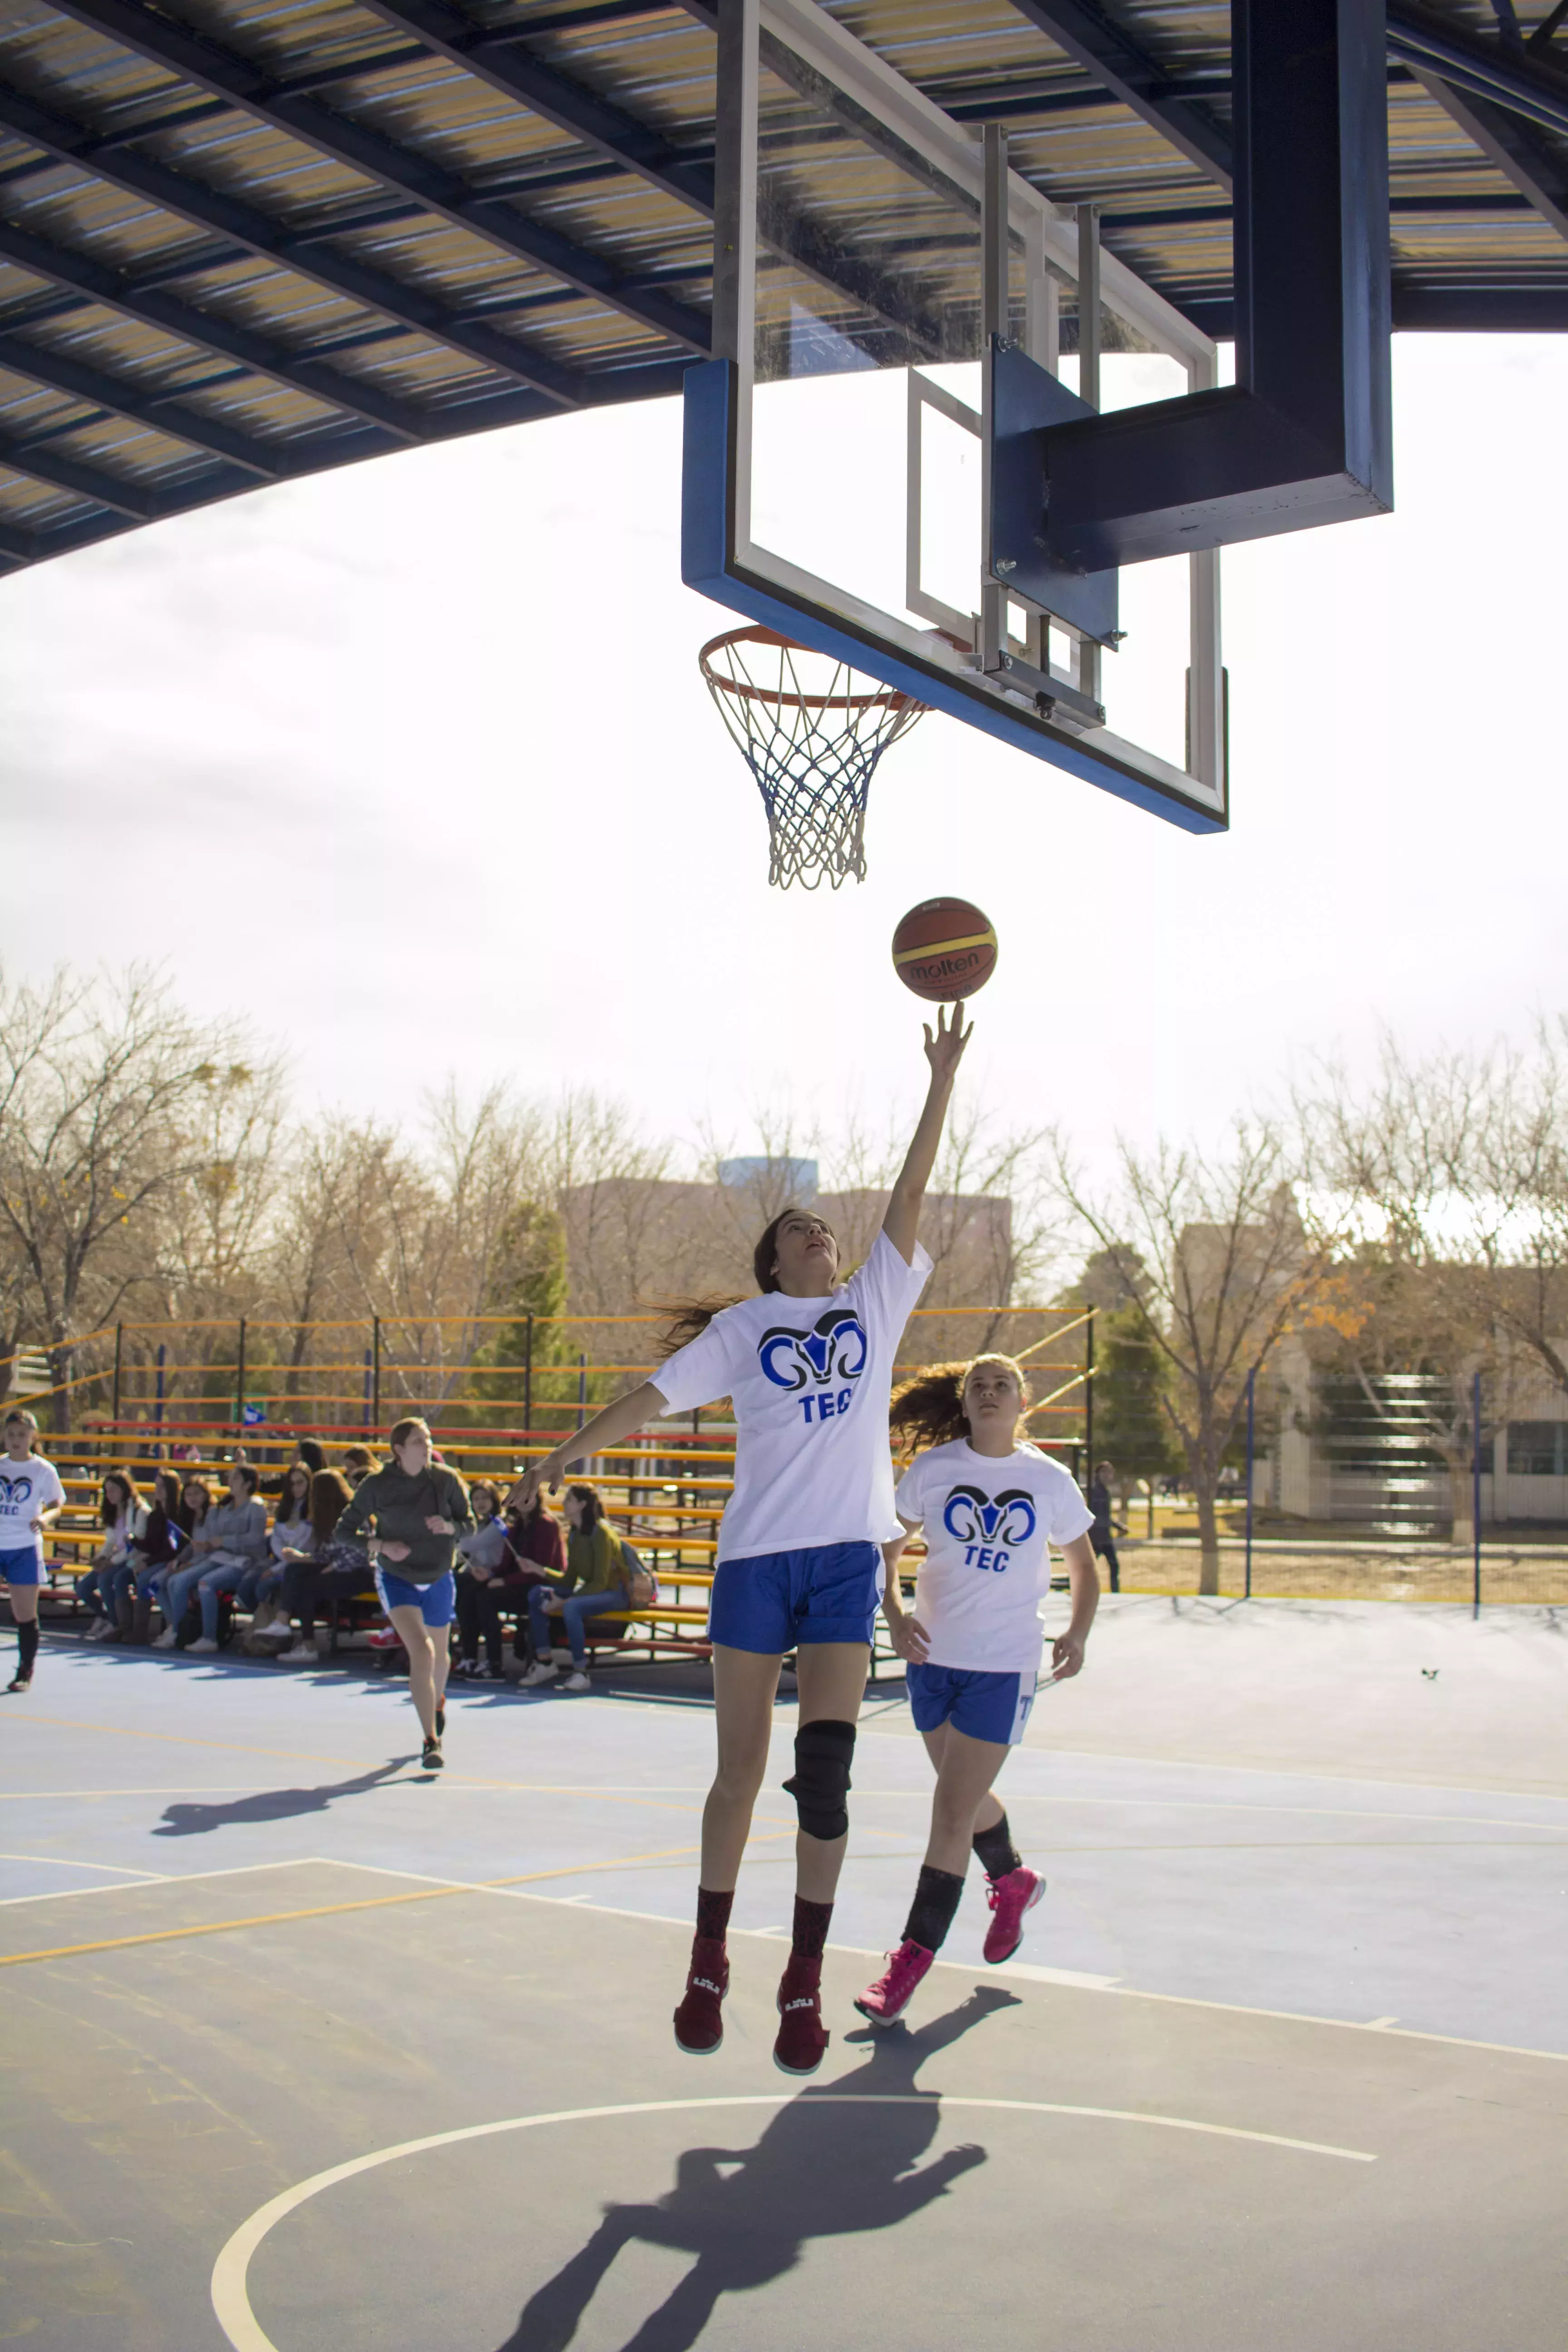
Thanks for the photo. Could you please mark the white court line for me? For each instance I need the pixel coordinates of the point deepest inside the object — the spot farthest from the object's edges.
(60, 1862)
(231, 2301)
(153, 1878)
(203, 1788)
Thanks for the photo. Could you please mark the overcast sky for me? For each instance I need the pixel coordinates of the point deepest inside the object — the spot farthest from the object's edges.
(412, 764)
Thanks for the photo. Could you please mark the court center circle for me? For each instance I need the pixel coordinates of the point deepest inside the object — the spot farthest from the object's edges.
(231, 2300)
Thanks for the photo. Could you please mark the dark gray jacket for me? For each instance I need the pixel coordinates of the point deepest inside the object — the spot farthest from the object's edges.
(397, 1506)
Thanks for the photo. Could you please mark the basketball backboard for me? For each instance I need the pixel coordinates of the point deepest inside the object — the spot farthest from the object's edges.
(859, 465)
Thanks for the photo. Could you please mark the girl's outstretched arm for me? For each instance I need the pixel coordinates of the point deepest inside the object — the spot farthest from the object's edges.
(945, 1050)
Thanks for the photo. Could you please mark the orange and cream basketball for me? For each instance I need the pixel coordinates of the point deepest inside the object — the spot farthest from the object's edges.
(944, 949)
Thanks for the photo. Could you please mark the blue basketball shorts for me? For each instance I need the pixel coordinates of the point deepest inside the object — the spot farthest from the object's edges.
(981, 1705)
(776, 1601)
(437, 1603)
(21, 1567)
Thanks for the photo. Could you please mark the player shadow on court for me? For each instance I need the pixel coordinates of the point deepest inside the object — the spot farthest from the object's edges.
(819, 2171)
(271, 1805)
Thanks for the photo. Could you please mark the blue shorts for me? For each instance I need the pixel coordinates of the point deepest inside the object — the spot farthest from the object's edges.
(437, 1603)
(774, 1601)
(981, 1705)
(21, 1567)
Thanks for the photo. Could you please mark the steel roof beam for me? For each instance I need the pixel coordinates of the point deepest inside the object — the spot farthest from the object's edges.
(113, 289)
(81, 480)
(222, 73)
(77, 381)
(1092, 39)
(1433, 45)
(241, 224)
(1511, 144)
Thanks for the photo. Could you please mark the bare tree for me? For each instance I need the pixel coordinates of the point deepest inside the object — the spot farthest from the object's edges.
(1220, 1263)
(107, 1119)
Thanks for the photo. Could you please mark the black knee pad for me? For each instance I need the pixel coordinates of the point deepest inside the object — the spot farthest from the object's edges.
(821, 1782)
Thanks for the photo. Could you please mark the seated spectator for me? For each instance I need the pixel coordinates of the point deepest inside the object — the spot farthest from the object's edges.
(157, 1548)
(229, 1543)
(503, 1560)
(195, 1509)
(108, 1582)
(596, 1578)
(323, 1571)
(358, 1464)
(292, 1534)
(308, 1457)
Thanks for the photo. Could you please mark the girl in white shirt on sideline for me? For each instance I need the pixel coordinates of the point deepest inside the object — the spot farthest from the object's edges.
(991, 1506)
(808, 1365)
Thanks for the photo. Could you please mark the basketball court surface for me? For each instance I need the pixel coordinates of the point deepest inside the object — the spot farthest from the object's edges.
(305, 2048)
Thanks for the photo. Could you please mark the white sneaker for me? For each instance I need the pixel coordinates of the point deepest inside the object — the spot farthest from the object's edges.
(201, 1648)
(303, 1654)
(280, 1630)
(537, 1674)
(165, 1639)
(97, 1629)
(576, 1681)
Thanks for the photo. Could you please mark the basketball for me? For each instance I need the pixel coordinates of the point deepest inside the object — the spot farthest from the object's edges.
(944, 949)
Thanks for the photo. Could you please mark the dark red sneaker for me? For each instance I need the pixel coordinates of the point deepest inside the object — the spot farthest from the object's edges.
(700, 2021)
(801, 2038)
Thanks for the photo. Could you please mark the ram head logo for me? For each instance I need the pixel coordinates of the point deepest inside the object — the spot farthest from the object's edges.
(833, 1349)
(973, 1518)
(15, 1490)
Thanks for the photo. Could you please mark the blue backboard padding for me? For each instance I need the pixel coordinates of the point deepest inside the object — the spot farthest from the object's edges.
(707, 563)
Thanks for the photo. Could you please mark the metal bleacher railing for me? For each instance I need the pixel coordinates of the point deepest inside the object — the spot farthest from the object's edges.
(497, 1390)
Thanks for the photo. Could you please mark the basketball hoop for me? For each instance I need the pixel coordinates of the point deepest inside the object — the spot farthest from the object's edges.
(811, 730)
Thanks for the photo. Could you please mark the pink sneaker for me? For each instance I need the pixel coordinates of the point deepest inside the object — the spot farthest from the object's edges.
(885, 2001)
(1009, 1898)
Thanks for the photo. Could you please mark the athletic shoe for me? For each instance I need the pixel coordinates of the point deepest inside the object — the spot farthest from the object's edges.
(801, 2042)
(465, 1669)
(699, 2022)
(432, 1759)
(303, 1654)
(541, 1672)
(488, 1673)
(1009, 1898)
(165, 1639)
(886, 2000)
(20, 1683)
(97, 1629)
(201, 1648)
(577, 1682)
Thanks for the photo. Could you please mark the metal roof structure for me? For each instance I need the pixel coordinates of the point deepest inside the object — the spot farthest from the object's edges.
(245, 240)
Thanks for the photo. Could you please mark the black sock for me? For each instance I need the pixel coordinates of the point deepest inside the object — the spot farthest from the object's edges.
(27, 1645)
(809, 1939)
(997, 1853)
(712, 1914)
(931, 1913)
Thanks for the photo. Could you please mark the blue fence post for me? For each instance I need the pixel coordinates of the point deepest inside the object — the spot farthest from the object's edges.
(1251, 1403)
(1476, 1494)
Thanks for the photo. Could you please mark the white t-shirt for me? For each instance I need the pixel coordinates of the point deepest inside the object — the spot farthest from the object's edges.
(811, 1379)
(989, 1521)
(25, 1489)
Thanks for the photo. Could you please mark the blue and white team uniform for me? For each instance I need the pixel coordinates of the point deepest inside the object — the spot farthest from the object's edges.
(989, 1524)
(27, 1489)
(800, 1544)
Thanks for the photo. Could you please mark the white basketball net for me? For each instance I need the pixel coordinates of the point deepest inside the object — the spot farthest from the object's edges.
(812, 731)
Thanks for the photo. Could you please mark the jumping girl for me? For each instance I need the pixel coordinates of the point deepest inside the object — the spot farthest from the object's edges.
(30, 1498)
(418, 1509)
(991, 1505)
(808, 1365)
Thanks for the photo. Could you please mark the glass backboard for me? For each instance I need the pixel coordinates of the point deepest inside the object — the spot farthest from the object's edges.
(858, 465)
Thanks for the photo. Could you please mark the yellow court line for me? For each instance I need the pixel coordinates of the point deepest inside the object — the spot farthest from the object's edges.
(325, 1910)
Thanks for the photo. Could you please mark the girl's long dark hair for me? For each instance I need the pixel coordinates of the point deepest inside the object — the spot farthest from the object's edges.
(107, 1512)
(592, 1509)
(330, 1495)
(929, 1409)
(294, 1509)
(690, 1318)
(189, 1519)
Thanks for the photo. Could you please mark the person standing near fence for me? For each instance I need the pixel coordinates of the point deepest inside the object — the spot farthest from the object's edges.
(30, 1499)
(808, 1365)
(1103, 1529)
(418, 1509)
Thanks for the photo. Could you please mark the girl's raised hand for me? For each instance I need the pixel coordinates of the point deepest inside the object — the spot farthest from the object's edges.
(944, 1048)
